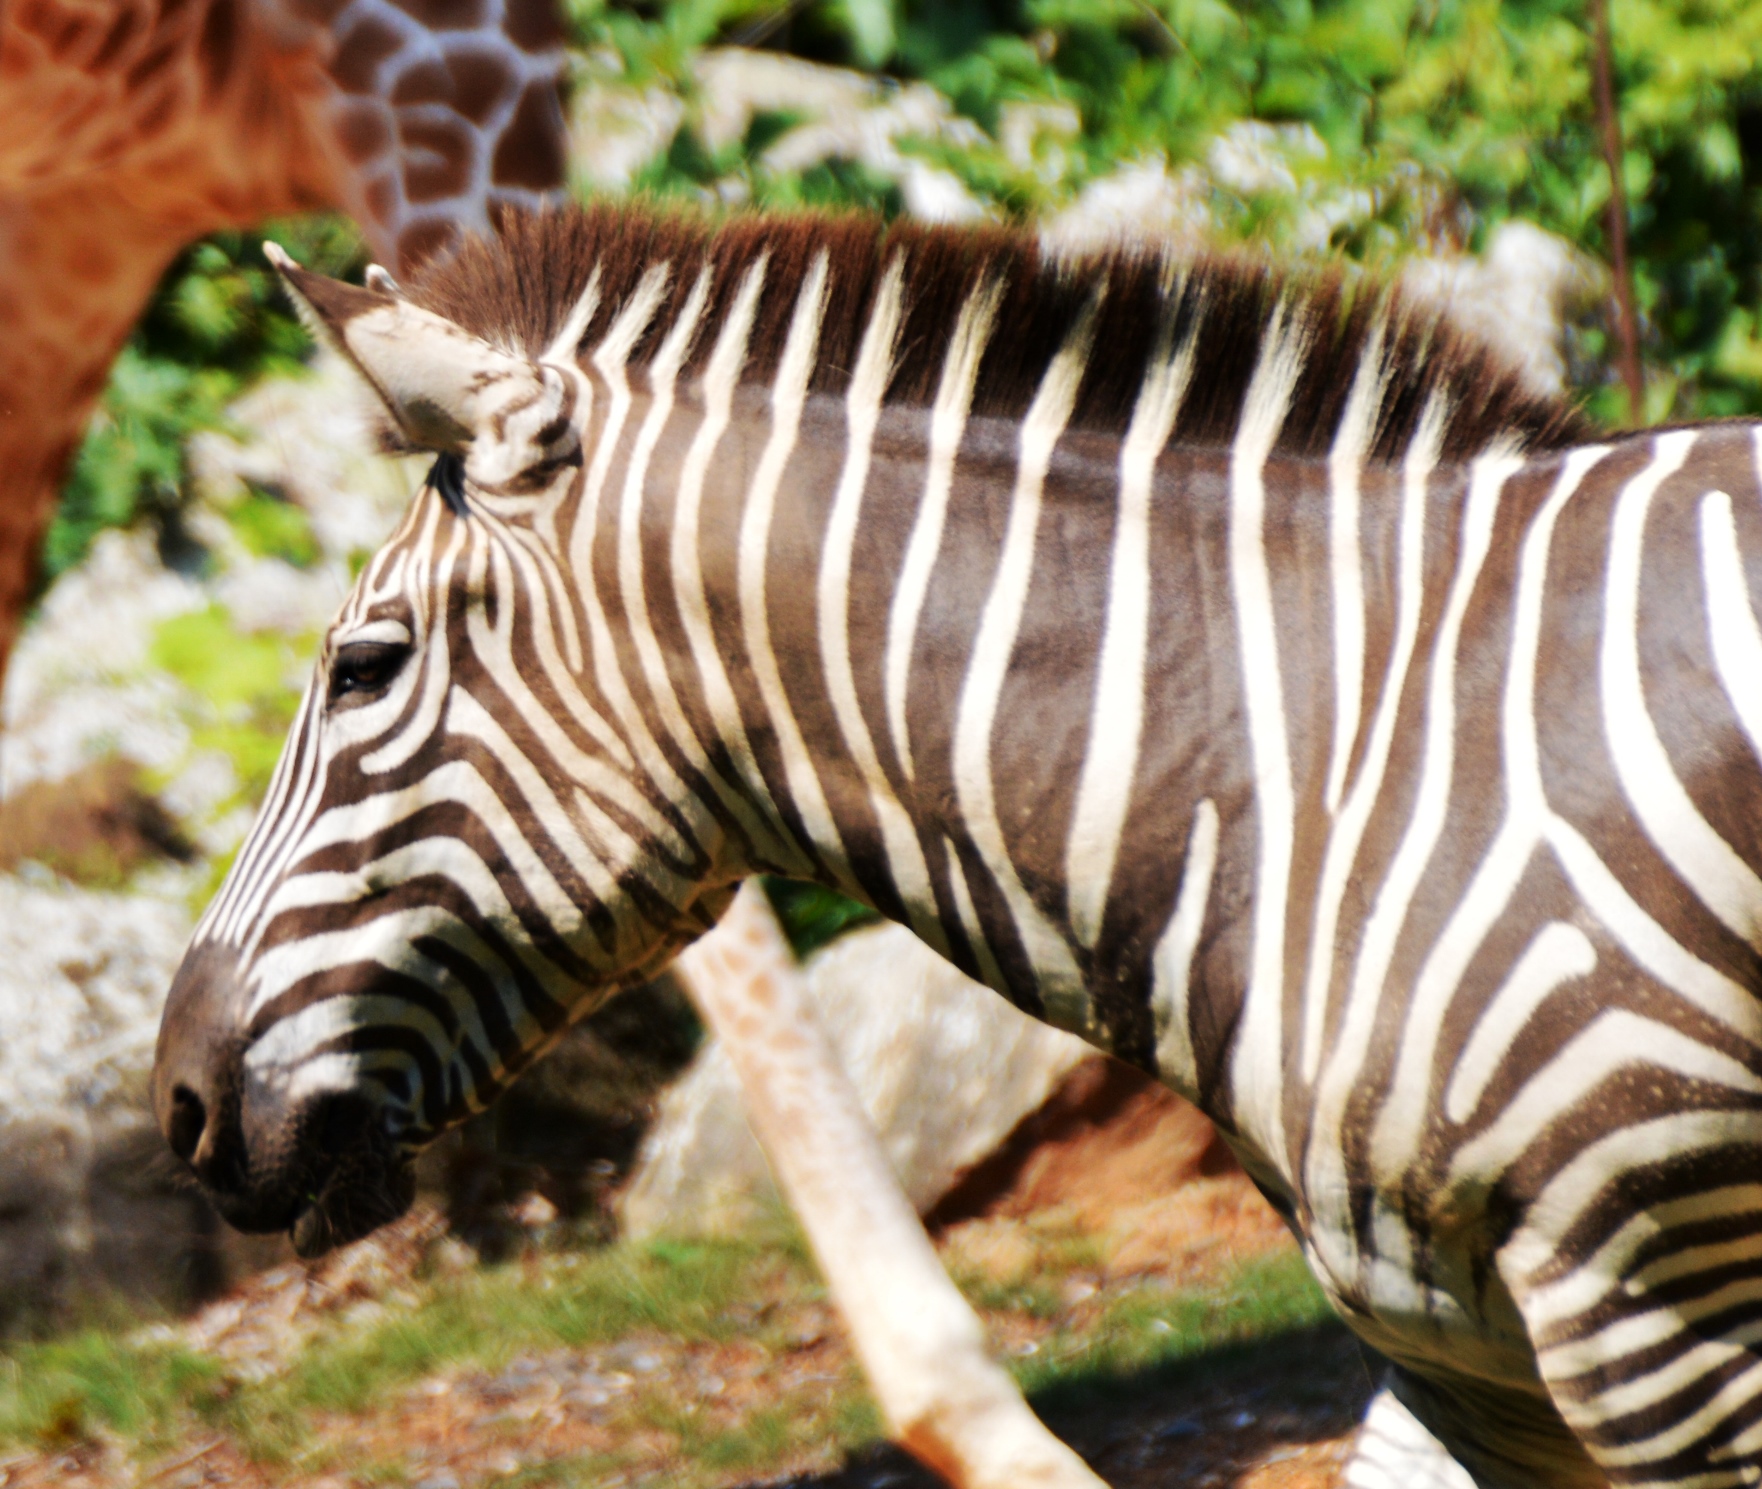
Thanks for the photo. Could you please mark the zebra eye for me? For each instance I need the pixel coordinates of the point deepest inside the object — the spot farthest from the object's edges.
(366, 666)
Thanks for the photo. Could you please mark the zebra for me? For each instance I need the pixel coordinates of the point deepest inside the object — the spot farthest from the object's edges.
(1237, 667)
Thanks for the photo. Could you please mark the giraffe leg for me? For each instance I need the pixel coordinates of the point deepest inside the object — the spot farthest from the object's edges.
(1394, 1451)
(920, 1344)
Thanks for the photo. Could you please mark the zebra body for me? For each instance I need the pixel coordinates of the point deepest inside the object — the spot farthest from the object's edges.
(1312, 723)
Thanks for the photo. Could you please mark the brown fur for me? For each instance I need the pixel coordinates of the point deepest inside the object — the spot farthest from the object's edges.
(516, 289)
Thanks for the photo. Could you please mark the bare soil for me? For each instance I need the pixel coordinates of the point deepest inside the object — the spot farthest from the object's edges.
(1114, 1194)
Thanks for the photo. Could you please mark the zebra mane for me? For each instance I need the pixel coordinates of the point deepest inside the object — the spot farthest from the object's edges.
(517, 288)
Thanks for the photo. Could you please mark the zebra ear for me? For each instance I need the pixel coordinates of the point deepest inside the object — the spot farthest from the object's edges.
(447, 390)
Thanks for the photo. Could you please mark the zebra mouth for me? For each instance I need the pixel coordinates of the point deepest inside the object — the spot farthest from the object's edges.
(349, 1207)
(365, 1182)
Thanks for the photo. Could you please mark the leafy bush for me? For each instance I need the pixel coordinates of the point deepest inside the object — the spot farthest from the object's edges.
(1450, 115)
(217, 323)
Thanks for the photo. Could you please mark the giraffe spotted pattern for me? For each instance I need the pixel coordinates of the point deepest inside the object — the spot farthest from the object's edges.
(133, 127)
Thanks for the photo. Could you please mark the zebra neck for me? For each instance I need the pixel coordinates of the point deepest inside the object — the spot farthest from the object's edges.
(998, 682)
(946, 686)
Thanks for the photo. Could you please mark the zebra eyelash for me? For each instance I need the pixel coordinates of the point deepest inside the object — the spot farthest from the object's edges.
(447, 476)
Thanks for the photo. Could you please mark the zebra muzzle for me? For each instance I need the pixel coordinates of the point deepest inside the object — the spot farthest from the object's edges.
(367, 1181)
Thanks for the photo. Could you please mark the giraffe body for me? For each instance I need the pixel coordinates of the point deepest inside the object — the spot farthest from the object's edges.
(130, 127)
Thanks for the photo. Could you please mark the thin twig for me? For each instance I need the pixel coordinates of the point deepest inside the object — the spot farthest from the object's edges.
(1609, 125)
(756, 33)
(1161, 22)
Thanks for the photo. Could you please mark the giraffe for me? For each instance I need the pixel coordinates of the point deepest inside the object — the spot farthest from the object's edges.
(130, 127)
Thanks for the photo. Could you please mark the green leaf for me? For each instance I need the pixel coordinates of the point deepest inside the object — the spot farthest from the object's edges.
(871, 27)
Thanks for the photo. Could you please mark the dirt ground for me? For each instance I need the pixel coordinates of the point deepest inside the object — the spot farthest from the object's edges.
(1109, 1205)
(1277, 1416)
(655, 1410)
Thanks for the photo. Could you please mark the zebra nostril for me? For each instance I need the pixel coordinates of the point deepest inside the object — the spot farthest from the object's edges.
(188, 1119)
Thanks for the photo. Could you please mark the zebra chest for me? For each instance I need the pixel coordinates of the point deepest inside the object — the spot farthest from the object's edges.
(1426, 1295)
(1440, 1313)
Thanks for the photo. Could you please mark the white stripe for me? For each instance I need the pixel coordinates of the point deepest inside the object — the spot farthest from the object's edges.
(621, 855)
(493, 647)
(1401, 1122)
(563, 354)
(767, 844)
(1559, 954)
(1581, 1184)
(1642, 938)
(1341, 857)
(1675, 1372)
(663, 376)
(685, 558)
(389, 942)
(1614, 1042)
(286, 787)
(1700, 857)
(1333, 1232)
(899, 835)
(1526, 813)
(1596, 1277)
(1060, 981)
(1346, 462)
(565, 346)
(948, 422)
(1731, 623)
(1116, 720)
(418, 729)
(1257, 1062)
(554, 600)
(1172, 965)
(456, 782)
(989, 972)
(1683, 1431)
(788, 395)
(281, 1059)
(291, 800)
(609, 361)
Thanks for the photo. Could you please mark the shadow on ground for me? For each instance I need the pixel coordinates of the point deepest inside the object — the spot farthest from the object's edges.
(1274, 1415)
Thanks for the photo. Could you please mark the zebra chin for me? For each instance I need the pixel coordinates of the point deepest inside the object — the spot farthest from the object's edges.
(269, 1155)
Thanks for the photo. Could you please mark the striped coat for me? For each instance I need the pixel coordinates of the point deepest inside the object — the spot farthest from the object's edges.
(1241, 671)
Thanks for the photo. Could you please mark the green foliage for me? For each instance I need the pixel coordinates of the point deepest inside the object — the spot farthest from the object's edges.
(1432, 121)
(269, 526)
(150, 1395)
(1428, 122)
(248, 684)
(811, 915)
(217, 322)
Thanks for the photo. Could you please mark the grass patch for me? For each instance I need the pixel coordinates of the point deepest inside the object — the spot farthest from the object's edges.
(341, 1402)
(248, 683)
(487, 1317)
(1148, 1327)
(69, 1389)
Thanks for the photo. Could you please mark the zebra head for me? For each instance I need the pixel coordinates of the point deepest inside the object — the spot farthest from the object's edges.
(458, 852)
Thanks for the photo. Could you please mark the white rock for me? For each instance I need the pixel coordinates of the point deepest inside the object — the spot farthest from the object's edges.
(1141, 202)
(79, 687)
(1515, 296)
(945, 1068)
(83, 975)
(617, 128)
(312, 439)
